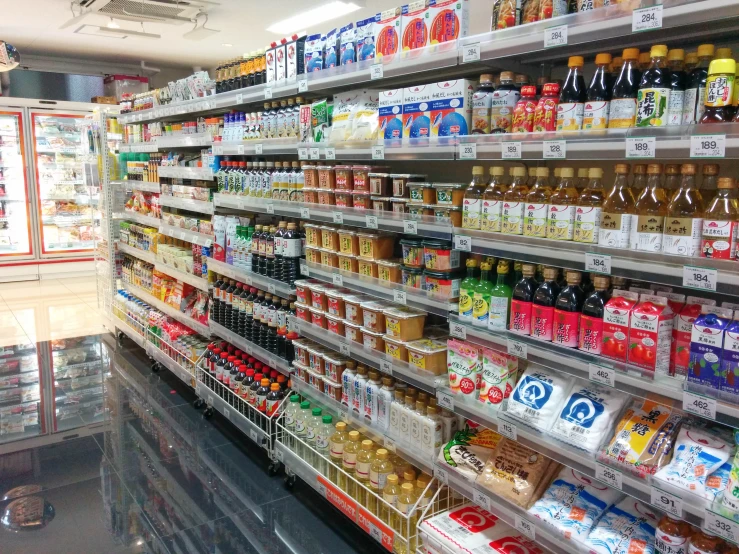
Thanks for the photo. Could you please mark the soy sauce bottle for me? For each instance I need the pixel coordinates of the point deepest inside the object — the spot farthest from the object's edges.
(261, 400)
(220, 365)
(542, 309)
(567, 311)
(253, 392)
(244, 390)
(523, 295)
(595, 115)
(212, 362)
(572, 97)
(215, 307)
(653, 98)
(591, 320)
(249, 315)
(274, 397)
(623, 94)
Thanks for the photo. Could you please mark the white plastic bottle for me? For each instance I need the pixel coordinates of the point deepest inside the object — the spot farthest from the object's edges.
(360, 384)
(417, 418)
(384, 402)
(371, 392)
(406, 414)
(396, 409)
(431, 432)
(347, 383)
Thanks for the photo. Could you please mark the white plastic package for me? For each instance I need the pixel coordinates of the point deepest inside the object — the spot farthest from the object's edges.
(627, 528)
(538, 397)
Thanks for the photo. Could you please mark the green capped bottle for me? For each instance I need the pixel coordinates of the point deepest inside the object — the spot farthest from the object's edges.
(466, 290)
(500, 299)
(481, 297)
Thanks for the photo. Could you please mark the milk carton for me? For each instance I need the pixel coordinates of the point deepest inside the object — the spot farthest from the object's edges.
(295, 54)
(416, 112)
(730, 358)
(682, 330)
(365, 39)
(314, 52)
(386, 30)
(451, 108)
(391, 114)
(706, 347)
(448, 20)
(650, 334)
(616, 323)
(281, 61)
(347, 44)
(415, 24)
(331, 49)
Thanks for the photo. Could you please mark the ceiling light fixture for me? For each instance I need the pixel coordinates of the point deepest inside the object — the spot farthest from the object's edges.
(313, 17)
(226, 44)
(112, 24)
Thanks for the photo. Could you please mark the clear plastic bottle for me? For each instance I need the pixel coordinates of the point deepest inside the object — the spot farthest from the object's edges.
(405, 419)
(514, 202)
(349, 463)
(684, 220)
(390, 496)
(431, 432)
(384, 402)
(472, 203)
(301, 428)
(720, 223)
(323, 435)
(406, 501)
(336, 450)
(417, 416)
(535, 210)
(617, 211)
(372, 389)
(562, 206)
(653, 98)
(359, 389)
(492, 201)
(651, 207)
(311, 428)
(347, 383)
(467, 290)
(380, 470)
(589, 207)
(365, 457)
(396, 409)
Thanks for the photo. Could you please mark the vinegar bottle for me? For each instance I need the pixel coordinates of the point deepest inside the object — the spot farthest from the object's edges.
(535, 209)
(500, 299)
(561, 209)
(472, 203)
(651, 209)
(695, 93)
(567, 311)
(591, 320)
(542, 309)
(640, 179)
(514, 201)
(720, 223)
(684, 220)
(572, 97)
(492, 201)
(595, 114)
(710, 179)
(522, 297)
(618, 207)
(623, 95)
(675, 59)
(466, 290)
(588, 211)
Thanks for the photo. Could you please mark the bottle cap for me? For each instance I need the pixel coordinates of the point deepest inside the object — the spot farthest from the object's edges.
(387, 381)
(574, 277)
(328, 419)
(518, 171)
(575, 61)
(486, 266)
(274, 386)
(567, 173)
(528, 91)
(381, 453)
(391, 479)
(528, 270)
(601, 282)
(550, 89)
(264, 382)
(673, 169)
(640, 169)
(409, 475)
(617, 63)
(691, 58)
(503, 266)
(595, 173)
(316, 411)
(676, 54)
(341, 426)
(353, 435)
(497, 171)
(407, 487)
(722, 66)
(506, 76)
(644, 58)
(550, 273)
(654, 169)
(630, 54)
(657, 51)
(582, 172)
(486, 78)
(477, 170)
(726, 183)
(557, 172)
(293, 398)
(688, 169)
(706, 51)
(602, 59)
(304, 405)
(471, 262)
(367, 444)
(710, 169)
(542, 172)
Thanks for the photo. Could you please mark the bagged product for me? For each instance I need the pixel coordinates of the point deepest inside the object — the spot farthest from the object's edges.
(463, 365)
(468, 450)
(348, 44)
(588, 415)
(538, 397)
(464, 529)
(364, 116)
(573, 503)
(730, 499)
(314, 46)
(344, 104)
(498, 370)
(506, 14)
(529, 11)
(320, 120)
(331, 49)
(365, 39)
(627, 528)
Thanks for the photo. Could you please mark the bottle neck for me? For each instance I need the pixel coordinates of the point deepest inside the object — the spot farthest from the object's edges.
(621, 182)
(502, 277)
(484, 275)
(654, 182)
(687, 182)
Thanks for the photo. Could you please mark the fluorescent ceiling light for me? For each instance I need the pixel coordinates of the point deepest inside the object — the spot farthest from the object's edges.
(126, 32)
(112, 24)
(313, 17)
(226, 44)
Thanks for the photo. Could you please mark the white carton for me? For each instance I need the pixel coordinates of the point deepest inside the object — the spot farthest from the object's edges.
(386, 30)
(391, 114)
(415, 25)
(281, 61)
(365, 44)
(270, 62)
(451, 108)
(416, 112)
(448, 20)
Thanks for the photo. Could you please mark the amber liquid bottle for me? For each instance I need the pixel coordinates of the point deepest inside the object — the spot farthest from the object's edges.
(472, 203)
(535, 210)
(695, 92)
(562, 205)
(623, 95)
(589, 207)
(492, 201)
(640, 179)
(514, 200)
(618, 208)
(597, 105)
(651, 209)
(684, 220)
(720, 223)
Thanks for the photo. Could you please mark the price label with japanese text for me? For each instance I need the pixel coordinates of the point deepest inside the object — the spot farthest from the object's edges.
(723, 527)
(471, 53)
(510, 150)
(458, 330)
(376, 71)
(468, 151)
(345, 349)
(667, 502)
(386, 366)
(518, 349)
(703, 406)
(597, 263)
(445, 400)
(701, 278)
(410, 227)
(315, 153)
(481, 499)
(305, 213)
(268, 93)
(554, 149)
(399, 297)
(708, 146)
(302, 153)
(338, 280)
(602, 374)
(647, 19)
(270, 209)
(378, 152)
(641, 147)
(258, 149)
(337, 217)
(371, 221)
(611, 477)
(508, 429)
(462, 243)
(330, 153)
(525, 527)
(555, 36)
(302, 85)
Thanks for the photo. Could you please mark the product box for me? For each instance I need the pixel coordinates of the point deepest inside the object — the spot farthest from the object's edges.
(391, 114)
(451, 108)
(682, 330)
(365, 39)
(386, 30)
(730, 358)
(347, 44)
(314, 52)
(331, 49)
(270, 62)
(448, 20)
(616, 323)
(706, 346)
(305, 133)
(280, 61)
(463, 529)
(650, 334)
(417, 112)
(415, 25)
(295, 54)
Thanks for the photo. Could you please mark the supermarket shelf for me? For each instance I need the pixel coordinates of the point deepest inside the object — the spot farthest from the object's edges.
(182, 373)
(145, 186)
(149, 257)
(138, 218)
(184, 234)
(147, 147)
(427, 226)
(642, 266)
(264, 356)
(417, 378)
(188, 204)
(197, 282)
(283, 290)
(184, 141)
(129, 331)
(178, 172)
(250, 147)
(167, 309)
(378, 289)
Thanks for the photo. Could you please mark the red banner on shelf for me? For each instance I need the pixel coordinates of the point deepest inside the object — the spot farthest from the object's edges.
(339, 498)
(377, 529)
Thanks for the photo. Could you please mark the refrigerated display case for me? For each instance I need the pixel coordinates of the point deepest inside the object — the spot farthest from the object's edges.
(21, 400)
(15, 216)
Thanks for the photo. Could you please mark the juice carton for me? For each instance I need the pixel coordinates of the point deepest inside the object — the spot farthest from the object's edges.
(681, 331)
(386, 30)
(448, 20)
(464, 367)
(347, 44)
(451, 108)
(391, 114)
(416, 112)
(414, 24)
(676, 302)
(730, 358)
(706, 347)
(616, 323)
(366, 39)
(650, 334)
(269, 57)
(295, 54)
(314, 52)
(281, 61)
(331, 49)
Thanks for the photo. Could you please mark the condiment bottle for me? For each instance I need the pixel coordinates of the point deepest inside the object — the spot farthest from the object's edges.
(618, 207)
(678, 77)
(500, 299)
(390, 496)
(561, 209)
(523, 113)
(591, 320)
(503, 103)
(582, 179)
(532, 176)
(567, 310)
(597, 105)
(537, 200)
(650, 210)
(672, 179)
(702, 542)
(615, 69)
(492, 201)
(466, 290)
(644, 61)
(481, 105)
(336, 452)
(481, 297)
(695, 93)
(542, 309)
(671, 536)
(691, 60)
(572, 97)
(588, 211)
(710, 179)
(640, 179)
(365, 457)
(349, 463)
(521, 300)
(514, 201)
(545, 116)
(472, 203)
(719, 91)
(720, 223)
(684, 221)
(380, 470)
(623, 95)
(654, 91)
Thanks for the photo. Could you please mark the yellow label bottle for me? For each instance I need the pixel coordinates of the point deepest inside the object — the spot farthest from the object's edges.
(561, 209)
(472, 203)
(380, 470)
(535, 206)
(514, 199)
(492, 201)
(588, 210)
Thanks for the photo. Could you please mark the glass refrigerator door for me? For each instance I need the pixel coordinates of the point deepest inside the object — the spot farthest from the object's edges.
(15, 228)
(21, 399)
(66, 205)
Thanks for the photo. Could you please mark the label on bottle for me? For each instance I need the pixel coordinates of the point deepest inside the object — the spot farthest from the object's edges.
(690, 102)
(535, 220)
(595, 114)
(682, 236)
(652, 106)
(501, 109)
(646, 232)
(291, 248)
(719, 90)
(498, 315)
(480, 309)
(481, 103)
(262, 403)
(560, 222)
(378, 479)
(349, 460)
(321, 442)
(512, 218)
(521, 317)
(566, 328)
(363, 470)
(542, 322)
(669, 544)
(622, 113)
(471, 213)
(591, 334)
(587, 224)
(675, 109)
(615, 230)
(336, 449)
(491, 215)
(465, 303)
(391, 499)
(262, 247)
(719, 239)
(570, 116)
(272, 406)
(219, 372)
(252, 398)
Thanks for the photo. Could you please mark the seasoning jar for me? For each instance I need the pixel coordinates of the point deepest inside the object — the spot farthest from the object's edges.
(375, 247)
(330, 238)
(401, 180)
(421, 193)
(361, 177)
(313, 255)
(442, 284)
(399, 205)
(348, 242)
(361, 200)
(545, 115)
(326, 197)
(412, 252)
(367, 268)
(326, 177)
(412, 277)
(389, 271)
(329, 259)
(420, 209)
(439, 255)
(348, 262)
(344, 177)
(449, 214)
(380, 184)
(449, 194)
(344, 199)
(381, 203)
(310, 173)
(310, 195)
(523, 113)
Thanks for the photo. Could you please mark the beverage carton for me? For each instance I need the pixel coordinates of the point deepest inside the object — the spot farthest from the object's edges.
(314, 52)
(676, 302)
(347, 44)
(269, 57)
(448, 20)
(391, 114)
(616, 323)
(650, 334)
(415, 24)
(730, 358)
(417, 112)
(681, 332)
(451, 108)
(730, 306)
(366, 39)
(706, 346)
(295, 54)
(331, 49)
(386, 30)
(281, 61)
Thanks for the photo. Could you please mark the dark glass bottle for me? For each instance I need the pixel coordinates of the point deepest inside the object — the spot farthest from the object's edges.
(591, 320)
(244, 390)
(695, 93)
(233, 317)
(274, 397)
(542, 309)
(241, 322)
(290, 347)
(654, 91)
(292, 250)
(623, 95)
(598, 98)
(281, 342)
(523, 295)
(567, 311)
(269, 251)
(222, 361)
(212, 362)
(572, 97)
(249, 315)
(253, 395)
(678, 78)
(215, 304)
(256, 327)
(261, 399)
(279, 233)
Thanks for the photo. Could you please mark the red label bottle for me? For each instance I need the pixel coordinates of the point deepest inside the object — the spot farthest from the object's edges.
(523, 295)
(567, 311)
(591, 320)
(542, 310)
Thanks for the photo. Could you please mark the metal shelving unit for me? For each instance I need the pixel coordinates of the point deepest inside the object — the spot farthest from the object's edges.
(264, 356)
(184, 234)
(144, 255)
(272, 286)
(167, 309)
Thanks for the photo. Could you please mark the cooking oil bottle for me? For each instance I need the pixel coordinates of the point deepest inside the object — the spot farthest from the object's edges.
(535, 210)
(589, 207)
(336, 449)
(390, 496)
(651, 208)
(561, 209)
(365, 457)
(349, 463)
(472, 203)
(492, 201)
(618, 207)
(406, 500)
(684, 220)
(380, 470)
(514, 201)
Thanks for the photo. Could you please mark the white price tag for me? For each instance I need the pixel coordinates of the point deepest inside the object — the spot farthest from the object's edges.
(597, 263)
(708, 146)
(338, 280)
(507, 429)
(315, 153)
(271, 288)
(602, 374)
(468, 151)
(239, 98)
(410, 227)
(376, 71)
(389, 444)
(304, 213)
(518, 349)
(555, 36)
(703, 406)
(240, 149)
(554, 149)
(378, 152)
(375, 532)
(442, 475)
(471, 53)
(218, 150)
(525, 527)
(268, 93)
(337, 217)
(510, 150)
(399, 297)
(182, 235)
(170, 232)
(304, 270)
(303, 85)
(481, 499)
(445, 400)
(280, 456)
(302, 153)
(458, 330)
(253, 435)
(330, 153)
(227, 413)
(272, 361)
(611, 477)
(647, 19)
(463, 243)
(721, 526)
(386, 366)
(641, 147)
(371, 221)
(258, 149)
(345, 350)
(701, 278)
(270, 209)
(667, 502)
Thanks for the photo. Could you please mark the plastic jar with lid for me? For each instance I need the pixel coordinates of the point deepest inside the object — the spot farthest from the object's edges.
(439, 255)
(375, 246)
(443, 285)
(361, 200)
(353, 331)
(361, 177)
(326, 177)
(380, 203)
(317, 317)
(329, 258)
(373, 317)
(335, 365)
(302, 312)
(348, 242)
(367, 268)
(404, 323)
(302, 290)
(399, 205)
(428, 354)
(373, 340)
(335, 324)
(353, 308)
(413, 277)
(344, 177)
(412, 252)
(380, 184)
(326, 197)
(400, 183)
(450, 194)
(344, 199)
(449, 214)
(348, 262)
(420, 209)
(396, 348)
(312, 255)
(311, 176)
(330, 238)
(335, 302)
(389, 271)
(421, 193)
(318, 296)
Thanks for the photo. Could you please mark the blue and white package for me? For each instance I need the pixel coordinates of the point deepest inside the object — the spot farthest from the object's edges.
(588, 415)
(366, 39)
(538, 397)
(331, 49)
(347, 44)
(314, 45)
(573, 503)
(627, 528)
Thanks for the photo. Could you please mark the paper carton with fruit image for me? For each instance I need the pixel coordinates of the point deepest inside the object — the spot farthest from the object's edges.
(730, 358)
(616, 321)
(706, 347)
(464, 367)
(650, 334)
(681, 331)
